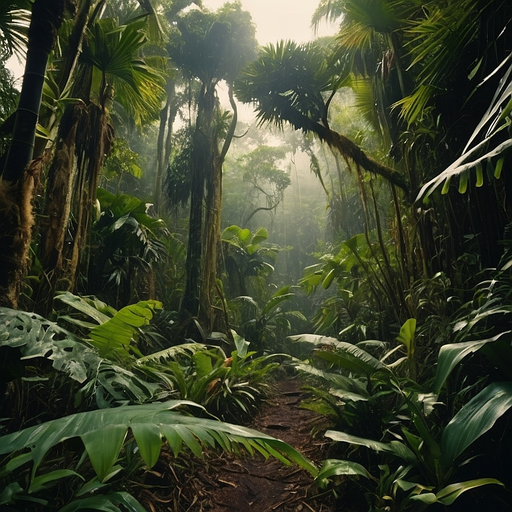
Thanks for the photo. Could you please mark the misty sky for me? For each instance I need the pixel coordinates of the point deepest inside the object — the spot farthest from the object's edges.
(280, 19)
(274, 20)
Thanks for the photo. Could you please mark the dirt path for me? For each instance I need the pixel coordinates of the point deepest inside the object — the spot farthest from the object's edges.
(253, 484)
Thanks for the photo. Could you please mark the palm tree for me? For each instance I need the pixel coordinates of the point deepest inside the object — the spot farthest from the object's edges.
(295, 84)
(433, 60)
(110, 70)
(18, 183)
(46, 18)
(14, 22)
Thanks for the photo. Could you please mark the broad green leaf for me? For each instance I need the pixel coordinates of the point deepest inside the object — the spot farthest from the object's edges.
(335, 467)
(314, 340)
(106, 503)
(149, 441)
(100, 427)
(45, 480)
(260, 235)
(9, 493)
(406, 336)
(202, 364)
(85, 307)
(189, 439)
(342, 384)
(451, 492)
(15, 463)
(428, 498)
(475, 419)
(244, 236)
(241, 345)
(394, 447)
(353, 358)
(277, 298)
(328, 279)
(119, 330)
(103, 447)
(347, 395)
(171, 353)
(452, 354)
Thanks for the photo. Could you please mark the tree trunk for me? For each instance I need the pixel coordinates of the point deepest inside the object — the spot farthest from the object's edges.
(200, 158)
(46, 19)
(58, 204)
(164, 142)
(17, 188)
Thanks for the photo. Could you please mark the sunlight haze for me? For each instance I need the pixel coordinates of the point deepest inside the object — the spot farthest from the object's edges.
(281, 19)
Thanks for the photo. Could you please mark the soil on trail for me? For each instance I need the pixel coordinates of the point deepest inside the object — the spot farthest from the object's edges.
(254, 484)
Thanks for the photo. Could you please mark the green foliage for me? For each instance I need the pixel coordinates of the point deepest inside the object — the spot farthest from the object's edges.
(112, 436)
(488, 144)
(115, 51)
(213, 46)
(368, 288)
(115, 337)
(288, 80)
(129, 243)
(249, 259)
(14, 22)
(120, 162)
(103, 434)
(419, 453)
(101, 380)
(231, 388)
(265, 326)
(178, 177)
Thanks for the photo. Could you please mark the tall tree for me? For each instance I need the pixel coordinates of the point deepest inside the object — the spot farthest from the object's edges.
(210, 47)
(18, 180)
(295, 84)
(110, 70)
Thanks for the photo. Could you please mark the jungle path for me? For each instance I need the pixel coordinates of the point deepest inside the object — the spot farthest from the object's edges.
(254, 484)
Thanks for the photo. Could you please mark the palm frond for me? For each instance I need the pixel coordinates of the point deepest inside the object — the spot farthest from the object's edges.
(14, 22)
(104, 431)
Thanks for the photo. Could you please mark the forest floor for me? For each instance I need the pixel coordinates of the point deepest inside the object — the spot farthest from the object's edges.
(254, 484)
(227, 483)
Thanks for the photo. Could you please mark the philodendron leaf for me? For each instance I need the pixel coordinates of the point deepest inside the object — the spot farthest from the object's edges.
(151, 423)
(122, 328)
(339, 382)
(343, 354)
(89, 307)
(149, 441)
(475, 419)
(280, 296)
(353, 358)
(451, 492)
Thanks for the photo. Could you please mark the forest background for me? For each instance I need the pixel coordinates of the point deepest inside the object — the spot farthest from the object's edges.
(148, 238)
